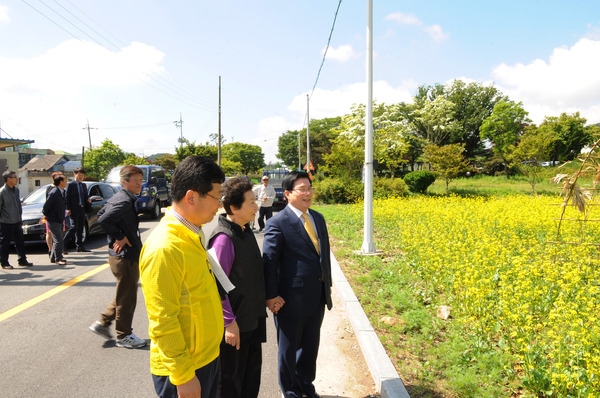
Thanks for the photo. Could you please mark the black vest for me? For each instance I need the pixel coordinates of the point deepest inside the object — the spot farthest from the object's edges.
(248, 298)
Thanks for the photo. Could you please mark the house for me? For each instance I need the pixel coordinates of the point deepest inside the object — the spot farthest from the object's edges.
(38, 172)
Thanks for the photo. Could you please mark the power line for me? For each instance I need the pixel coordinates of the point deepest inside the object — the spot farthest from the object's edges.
(326, 48)
(150, 78)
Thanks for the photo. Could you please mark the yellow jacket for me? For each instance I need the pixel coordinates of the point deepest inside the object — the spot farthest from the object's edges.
(183, 304)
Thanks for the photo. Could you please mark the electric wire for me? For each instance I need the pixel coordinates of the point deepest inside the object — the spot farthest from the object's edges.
(152, 80)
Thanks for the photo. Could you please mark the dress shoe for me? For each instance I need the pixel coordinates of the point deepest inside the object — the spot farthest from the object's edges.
(25, 263)
(83, 250)
(7, 266)
(313, 395)
(64, 252)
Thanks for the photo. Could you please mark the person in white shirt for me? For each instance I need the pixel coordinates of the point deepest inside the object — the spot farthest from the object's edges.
(265, 195)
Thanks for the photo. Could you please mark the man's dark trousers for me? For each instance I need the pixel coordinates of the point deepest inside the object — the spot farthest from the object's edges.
(75, 234)
(12, 232)
(266, 213)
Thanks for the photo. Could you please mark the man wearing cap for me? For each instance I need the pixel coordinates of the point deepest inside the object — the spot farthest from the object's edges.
(265, 195)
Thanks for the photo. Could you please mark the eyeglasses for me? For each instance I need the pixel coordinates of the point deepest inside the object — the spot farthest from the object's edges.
(304, 191)
(220, 200)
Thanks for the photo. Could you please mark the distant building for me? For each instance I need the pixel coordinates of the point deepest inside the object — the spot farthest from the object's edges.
(38, 172)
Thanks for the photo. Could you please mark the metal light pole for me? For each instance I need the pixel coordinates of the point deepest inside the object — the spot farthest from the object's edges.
(368, 246)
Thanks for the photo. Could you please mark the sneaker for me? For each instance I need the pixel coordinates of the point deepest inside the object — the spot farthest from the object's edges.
(100, 330)
(131, 341)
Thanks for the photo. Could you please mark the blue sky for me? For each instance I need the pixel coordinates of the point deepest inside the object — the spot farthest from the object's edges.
(131, 67)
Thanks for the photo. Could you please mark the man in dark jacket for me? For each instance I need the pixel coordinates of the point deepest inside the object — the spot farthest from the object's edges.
(11, 224)
(54, 210)
(119, 220)
(78, 203)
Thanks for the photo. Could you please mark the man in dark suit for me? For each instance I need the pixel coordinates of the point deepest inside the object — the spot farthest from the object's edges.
(78, 203)
(298, 284)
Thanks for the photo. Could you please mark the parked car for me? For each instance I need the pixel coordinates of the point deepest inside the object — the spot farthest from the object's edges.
(155, 190)
(35, 230)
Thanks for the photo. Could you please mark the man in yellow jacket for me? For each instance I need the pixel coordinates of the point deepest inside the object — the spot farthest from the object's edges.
(182, 300)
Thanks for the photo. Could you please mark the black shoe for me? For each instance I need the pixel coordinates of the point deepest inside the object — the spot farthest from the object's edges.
(7, 266)
(25, 263)
(83, 250)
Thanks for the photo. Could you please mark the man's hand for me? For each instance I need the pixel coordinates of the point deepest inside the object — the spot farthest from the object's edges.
(275, 304)
(191, 389)
(119, 245)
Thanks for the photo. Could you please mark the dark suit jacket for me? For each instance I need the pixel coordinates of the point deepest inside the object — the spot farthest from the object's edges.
(293, 268)
(54, 207)
(73, 199)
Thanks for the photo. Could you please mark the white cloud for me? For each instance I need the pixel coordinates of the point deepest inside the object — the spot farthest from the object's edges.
(404, 19)
(49, 97)
(4, 14)
(342, 53)
(567, 82)
(435, 32)
(331, 103)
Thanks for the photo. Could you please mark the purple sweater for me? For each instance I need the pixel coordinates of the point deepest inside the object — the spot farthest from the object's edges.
(225, 254)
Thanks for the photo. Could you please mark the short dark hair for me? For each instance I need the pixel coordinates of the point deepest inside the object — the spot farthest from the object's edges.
(78, 170)
(57, 177)
(288, 181)
(7, 174)
(129, 170)
(196, 173)
(234, 190)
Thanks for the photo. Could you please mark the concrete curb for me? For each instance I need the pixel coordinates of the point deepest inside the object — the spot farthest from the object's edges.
(382, 370)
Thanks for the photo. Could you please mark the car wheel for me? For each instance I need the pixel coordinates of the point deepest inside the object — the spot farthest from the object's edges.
(156, 210)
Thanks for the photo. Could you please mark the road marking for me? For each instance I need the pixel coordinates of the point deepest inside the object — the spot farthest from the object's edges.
(30, 303)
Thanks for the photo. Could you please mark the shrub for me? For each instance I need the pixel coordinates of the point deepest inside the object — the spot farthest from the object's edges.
(384, 188)
(338, 190)
(419, 181)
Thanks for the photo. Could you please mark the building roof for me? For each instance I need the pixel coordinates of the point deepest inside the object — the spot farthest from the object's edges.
(9, 142)
(44, 163)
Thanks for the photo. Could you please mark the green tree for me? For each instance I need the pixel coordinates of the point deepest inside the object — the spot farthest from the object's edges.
(535, 146)
(191, 149)
(504, 127)
(322, 133)
(167, 161)
(474, 102)
(98, 161)
(571, 135)
(250, 157)
(133, 159)
(447, 161)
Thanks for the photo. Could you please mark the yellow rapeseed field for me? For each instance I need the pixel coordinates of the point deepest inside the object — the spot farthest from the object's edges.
(509, 279)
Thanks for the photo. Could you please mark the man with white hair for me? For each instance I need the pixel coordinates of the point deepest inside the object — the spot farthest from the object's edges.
(265, 195)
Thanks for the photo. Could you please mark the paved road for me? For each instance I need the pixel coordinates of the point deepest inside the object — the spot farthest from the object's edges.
(46, 348)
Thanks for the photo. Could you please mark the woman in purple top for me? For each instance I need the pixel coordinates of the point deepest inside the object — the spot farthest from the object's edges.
(244, 307)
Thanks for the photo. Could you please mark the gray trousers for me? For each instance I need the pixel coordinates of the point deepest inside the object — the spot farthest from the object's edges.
(56, 230)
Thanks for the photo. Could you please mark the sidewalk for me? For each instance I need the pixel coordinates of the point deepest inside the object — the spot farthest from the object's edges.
(343, 369)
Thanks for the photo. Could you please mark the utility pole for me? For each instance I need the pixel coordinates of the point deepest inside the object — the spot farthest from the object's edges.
(307, 135)
(88, 128)
(219, 128)
(179, 123)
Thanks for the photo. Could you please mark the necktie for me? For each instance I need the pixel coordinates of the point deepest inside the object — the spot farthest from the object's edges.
(310, 230)
(80, 193)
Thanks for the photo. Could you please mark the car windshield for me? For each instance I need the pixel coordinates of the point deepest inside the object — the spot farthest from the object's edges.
(113, 176)
(37, 197)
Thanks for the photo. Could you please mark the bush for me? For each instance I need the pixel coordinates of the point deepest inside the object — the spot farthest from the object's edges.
(338, 190)
(419, 181)
(384, 188)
